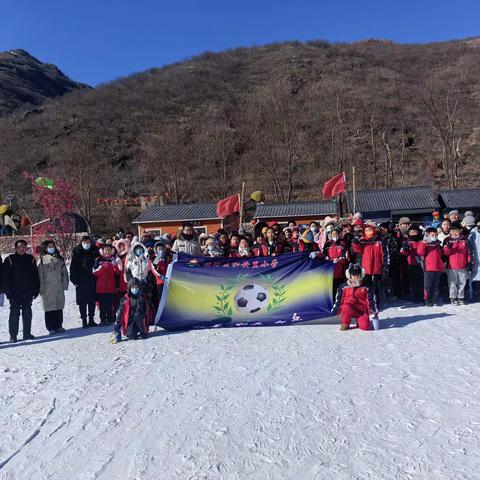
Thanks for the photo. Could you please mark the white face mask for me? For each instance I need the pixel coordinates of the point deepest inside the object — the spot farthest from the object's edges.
(51, 250)
(135, 291)
(161, 253)
(210, 248)
(432, 239)
(86, 246)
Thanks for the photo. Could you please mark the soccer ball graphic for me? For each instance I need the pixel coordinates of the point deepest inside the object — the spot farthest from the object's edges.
(251, 299)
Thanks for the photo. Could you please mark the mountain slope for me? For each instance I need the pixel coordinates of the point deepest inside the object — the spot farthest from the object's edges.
(24, 80)
(282, 117)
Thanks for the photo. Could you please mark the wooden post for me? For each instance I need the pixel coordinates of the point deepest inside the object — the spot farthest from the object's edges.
(241, 205)
(354, 191)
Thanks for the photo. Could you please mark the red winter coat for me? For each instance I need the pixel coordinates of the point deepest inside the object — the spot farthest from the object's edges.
(106, 271)
(122, 285)
(307, 247)
(411, 252)
(337, 251)
(159, 270)
(433, 255)
(457, 253)
(374, 255)
(360, 298)
(266, 250)
(131, 310)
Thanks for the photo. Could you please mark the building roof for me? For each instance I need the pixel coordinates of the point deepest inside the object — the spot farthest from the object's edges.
(178, 213)
(299, 209)
(405, 199)
(469, 198)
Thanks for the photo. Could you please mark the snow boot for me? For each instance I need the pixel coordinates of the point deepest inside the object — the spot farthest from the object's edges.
(91, 322)
(52, 332)
(84, 323)
(13, 340)
(344, 327)
(60, 330)
(28, 337)
(454, 301)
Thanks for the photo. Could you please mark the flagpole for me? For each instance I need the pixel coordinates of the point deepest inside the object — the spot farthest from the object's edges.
(241, 205)
(354, 191)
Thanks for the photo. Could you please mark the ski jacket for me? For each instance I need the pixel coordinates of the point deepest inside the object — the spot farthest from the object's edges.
(106, 271)
(433, 256)
(337, 251)
(361, 298)
(409, 250)
(457, 253)
(373, 253)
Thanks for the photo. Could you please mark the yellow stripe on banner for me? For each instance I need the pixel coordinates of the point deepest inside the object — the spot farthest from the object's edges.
(200, 298)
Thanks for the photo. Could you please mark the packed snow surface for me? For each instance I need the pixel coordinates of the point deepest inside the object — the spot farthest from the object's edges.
(299, 402)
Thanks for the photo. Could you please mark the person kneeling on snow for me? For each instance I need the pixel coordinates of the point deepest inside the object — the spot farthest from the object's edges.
(134, 313)
(356, 301)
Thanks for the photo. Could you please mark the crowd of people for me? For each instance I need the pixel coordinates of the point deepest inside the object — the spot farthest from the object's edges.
(123, 276)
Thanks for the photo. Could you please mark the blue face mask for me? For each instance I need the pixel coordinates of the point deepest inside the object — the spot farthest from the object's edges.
(139, 252)
(51, 250)
(86, 246)
(161, 253)
(135, 291)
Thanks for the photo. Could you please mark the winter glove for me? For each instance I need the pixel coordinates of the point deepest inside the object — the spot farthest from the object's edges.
(313, 255)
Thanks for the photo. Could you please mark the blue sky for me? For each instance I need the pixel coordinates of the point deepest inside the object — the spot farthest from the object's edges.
(95, 41)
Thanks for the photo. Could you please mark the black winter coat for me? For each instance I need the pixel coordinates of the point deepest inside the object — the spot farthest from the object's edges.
(81, 273)
(20, 276)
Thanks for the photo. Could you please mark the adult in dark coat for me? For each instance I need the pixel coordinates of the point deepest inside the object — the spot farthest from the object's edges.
(81, 276)
(21, 284)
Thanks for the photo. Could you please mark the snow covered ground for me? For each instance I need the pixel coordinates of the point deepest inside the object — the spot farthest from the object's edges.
(299, 402)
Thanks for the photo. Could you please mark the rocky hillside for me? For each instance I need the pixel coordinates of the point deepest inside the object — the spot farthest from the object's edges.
(25, 81)
(282, 117)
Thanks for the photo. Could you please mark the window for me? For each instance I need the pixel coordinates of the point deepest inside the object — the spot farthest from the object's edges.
(201, 229)
(156, 232)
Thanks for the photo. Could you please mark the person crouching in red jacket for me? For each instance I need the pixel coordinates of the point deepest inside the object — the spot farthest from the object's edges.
(432, 253)
(134, 313)
(106, 270)
(356, 301)
(372, 255)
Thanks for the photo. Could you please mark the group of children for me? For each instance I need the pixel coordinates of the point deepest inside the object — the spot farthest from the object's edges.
(373, 264)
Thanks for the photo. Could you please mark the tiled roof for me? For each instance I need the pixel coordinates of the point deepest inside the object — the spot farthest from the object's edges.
(461, 198)
(394, 199)
(292, 210)
(185, 212)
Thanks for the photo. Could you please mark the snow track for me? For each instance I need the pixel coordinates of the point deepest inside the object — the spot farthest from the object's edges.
(301, 402)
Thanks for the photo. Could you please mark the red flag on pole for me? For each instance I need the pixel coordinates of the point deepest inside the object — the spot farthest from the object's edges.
(335, 186)
(228, 205)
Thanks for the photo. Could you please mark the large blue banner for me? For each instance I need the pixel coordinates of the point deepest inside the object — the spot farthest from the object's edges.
(205, 292)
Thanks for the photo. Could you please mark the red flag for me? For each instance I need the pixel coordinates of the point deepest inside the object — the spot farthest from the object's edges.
(228, 205)
(335, 186)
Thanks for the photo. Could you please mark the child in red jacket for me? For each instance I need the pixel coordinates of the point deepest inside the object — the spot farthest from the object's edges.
(106, 270)
(134, 313)
(372, 256)
(356, 301)
(432, 253)
(415, 271)
(336, 251)
(455, 248)
(158, 268)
